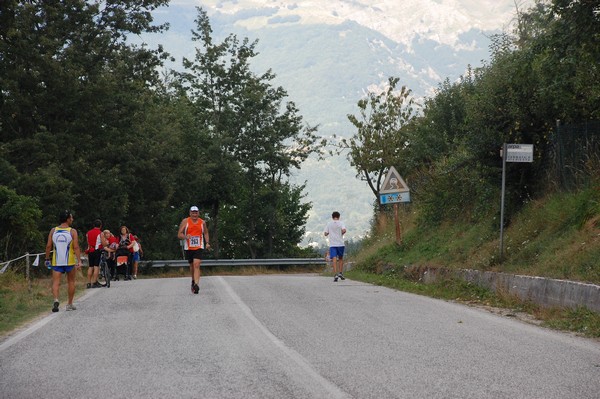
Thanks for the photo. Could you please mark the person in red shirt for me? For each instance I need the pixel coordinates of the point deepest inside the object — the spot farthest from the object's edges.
(93, 251)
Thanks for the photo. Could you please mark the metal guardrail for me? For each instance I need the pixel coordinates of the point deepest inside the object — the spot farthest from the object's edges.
(239, 262)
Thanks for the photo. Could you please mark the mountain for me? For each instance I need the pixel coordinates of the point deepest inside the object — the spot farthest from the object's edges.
(328, 53)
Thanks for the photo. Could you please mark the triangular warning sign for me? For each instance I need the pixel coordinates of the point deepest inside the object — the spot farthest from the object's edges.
(393, 183)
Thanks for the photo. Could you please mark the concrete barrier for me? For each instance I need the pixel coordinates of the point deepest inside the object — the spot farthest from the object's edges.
(546, 292)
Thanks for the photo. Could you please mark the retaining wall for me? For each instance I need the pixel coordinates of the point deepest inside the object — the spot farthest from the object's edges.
(543, 291)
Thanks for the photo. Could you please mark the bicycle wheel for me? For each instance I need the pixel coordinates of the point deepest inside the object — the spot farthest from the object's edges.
(104, 273)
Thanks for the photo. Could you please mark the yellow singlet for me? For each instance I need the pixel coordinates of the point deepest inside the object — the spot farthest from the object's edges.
(64, 255)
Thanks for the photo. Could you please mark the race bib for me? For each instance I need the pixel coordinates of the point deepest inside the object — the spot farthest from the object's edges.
(195, 241)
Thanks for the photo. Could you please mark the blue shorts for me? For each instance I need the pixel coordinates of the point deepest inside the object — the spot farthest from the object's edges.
(136, 257)
(336, 252)
(62, 269)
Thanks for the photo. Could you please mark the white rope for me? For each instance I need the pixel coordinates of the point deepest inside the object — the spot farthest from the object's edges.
(8, 262)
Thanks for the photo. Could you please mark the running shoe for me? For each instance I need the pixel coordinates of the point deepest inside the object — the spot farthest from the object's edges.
(135, 276)
(196, 288)
(96, 285)
(55, 307)
(335, 278)
(89, 285)
(70, 306)
(341, 276)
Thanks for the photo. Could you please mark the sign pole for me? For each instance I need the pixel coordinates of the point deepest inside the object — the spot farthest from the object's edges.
(511, 153)
(397, 224)
(502, 201)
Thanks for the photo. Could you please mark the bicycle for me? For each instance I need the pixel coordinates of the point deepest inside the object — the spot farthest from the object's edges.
(104, 271)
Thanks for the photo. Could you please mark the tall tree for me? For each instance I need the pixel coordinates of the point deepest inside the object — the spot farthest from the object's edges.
(247, 136)
(73, 100)
(381, 137)
(212, 81)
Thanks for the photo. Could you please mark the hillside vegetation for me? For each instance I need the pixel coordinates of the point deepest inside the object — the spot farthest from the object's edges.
(557, 236)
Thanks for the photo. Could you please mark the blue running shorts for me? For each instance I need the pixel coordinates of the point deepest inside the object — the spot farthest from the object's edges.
(336, 252)
(62, 269)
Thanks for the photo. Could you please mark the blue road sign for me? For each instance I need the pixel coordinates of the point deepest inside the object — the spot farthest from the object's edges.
(391, 198)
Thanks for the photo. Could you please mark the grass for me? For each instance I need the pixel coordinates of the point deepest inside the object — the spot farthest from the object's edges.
(555, 237)
(19, 305)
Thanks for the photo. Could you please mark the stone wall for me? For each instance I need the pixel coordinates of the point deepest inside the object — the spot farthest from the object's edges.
(543, 291)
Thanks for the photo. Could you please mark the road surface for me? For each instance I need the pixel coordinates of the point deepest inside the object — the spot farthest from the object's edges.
(288, 336)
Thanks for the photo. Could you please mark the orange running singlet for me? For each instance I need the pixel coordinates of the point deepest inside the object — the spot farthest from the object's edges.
(196, 231)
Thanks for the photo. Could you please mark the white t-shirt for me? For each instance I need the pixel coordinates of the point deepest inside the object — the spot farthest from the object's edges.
(334, 230)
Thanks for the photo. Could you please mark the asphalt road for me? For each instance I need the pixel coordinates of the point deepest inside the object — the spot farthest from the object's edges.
(288, 336)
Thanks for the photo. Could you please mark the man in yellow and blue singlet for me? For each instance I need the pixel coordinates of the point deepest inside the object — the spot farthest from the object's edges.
(66, 257)
(195, 234)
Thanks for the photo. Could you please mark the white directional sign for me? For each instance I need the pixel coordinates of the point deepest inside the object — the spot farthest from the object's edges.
(394, 198)
(519, 153)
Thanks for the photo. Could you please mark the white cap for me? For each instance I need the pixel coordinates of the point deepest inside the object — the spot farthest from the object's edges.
(194, 208)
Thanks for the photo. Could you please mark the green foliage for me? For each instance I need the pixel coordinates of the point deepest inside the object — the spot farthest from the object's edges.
(455, 190)
(557, 236)
(248, 140)
(534, 78)
(267, 225)
(86, 123)
(18, 219)
(75, 109)
(381, 139)
(22, 302)
(580, 320)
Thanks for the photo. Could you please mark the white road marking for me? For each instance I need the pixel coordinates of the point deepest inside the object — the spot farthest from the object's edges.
(333, 391)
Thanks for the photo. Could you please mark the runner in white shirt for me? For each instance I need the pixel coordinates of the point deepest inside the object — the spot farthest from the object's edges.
(335, 231)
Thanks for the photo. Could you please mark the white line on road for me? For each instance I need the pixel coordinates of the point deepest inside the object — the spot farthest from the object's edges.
(333, 390)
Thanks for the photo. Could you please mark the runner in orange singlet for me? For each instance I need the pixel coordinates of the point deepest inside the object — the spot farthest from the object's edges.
(193, 230)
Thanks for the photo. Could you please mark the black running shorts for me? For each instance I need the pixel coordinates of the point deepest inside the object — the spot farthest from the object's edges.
(190, 255)
(94, 258)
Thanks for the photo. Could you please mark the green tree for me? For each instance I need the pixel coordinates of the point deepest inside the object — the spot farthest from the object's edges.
(19, 216)
(381, 139)
(535, 77)
(212, 82)
(278, 224)
(245, 136)
(79, 111)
